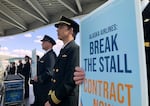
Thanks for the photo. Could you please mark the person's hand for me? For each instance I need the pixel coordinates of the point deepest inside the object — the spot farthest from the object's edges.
(35, 78)
(79, 75)
(47, 104)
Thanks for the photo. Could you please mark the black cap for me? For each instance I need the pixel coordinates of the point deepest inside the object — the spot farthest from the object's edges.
(68, 22)
(48, 38)
(26, 56)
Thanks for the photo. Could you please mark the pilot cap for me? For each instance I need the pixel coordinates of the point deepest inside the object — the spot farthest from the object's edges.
(49, 39)
(69, 22)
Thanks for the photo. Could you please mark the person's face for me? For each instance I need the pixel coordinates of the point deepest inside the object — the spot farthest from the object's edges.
(26, 59)
(20, 61)
(63, 31)
(46, 45)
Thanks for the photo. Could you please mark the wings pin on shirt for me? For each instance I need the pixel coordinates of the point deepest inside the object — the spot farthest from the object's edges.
(64, 55)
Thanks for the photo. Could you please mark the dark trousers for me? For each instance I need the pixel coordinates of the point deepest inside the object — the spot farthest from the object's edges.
(26, 88)
(35, 103)
(40, 93)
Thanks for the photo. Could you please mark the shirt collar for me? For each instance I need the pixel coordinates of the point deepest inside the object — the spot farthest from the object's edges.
(66, 44)
(48, 50)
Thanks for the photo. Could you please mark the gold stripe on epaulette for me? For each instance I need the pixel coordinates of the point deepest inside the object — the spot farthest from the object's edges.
(54, 98)
(147, 44)
(50, 92)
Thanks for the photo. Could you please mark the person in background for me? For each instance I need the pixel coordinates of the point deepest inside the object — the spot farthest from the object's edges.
(8, 68)
(13, 68)
(26, 73)
(44, 71)
(19, 67)
(64, 91)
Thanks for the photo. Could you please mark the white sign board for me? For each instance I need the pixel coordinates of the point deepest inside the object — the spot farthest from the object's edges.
(34, 64)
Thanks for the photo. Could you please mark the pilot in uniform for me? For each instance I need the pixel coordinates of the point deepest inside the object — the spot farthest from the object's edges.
(44, 72)
(64, 91)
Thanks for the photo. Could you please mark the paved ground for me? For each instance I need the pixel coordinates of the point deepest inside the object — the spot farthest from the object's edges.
(31, 97)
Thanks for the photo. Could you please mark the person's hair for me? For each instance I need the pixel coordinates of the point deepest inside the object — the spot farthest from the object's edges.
(20, 61)
(74, 31)
(28, 57)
